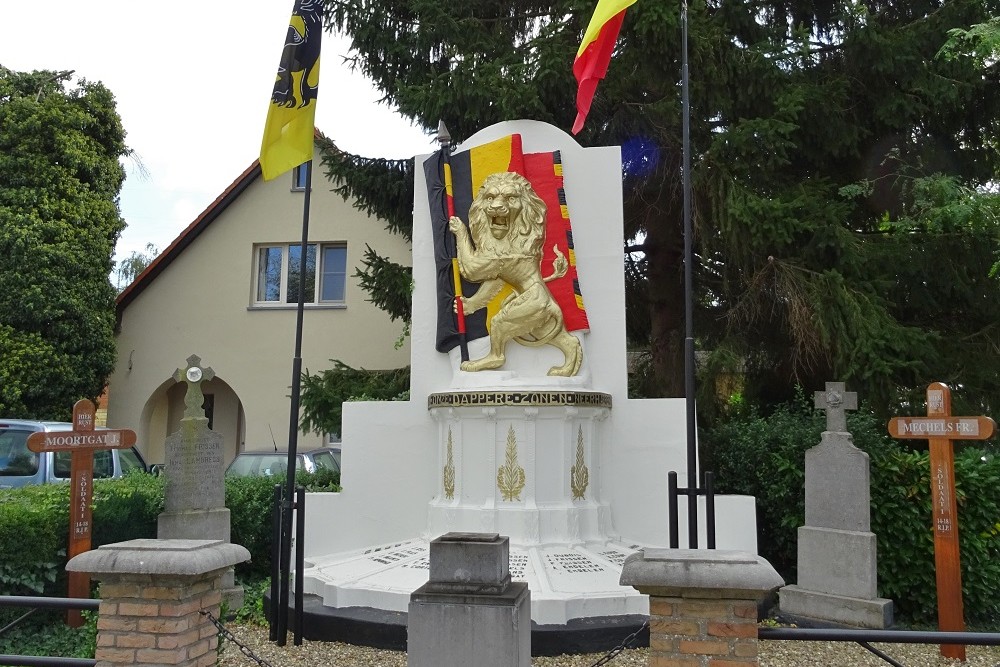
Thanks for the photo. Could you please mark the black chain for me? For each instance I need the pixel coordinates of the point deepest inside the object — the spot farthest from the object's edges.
(245, 650)
(226, 634)
(626, 644)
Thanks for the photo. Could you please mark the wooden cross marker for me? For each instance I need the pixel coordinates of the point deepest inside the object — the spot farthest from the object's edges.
(835, 400)
(940, 428)
(82, 441)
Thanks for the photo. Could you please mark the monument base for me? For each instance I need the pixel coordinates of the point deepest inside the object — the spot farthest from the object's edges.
(363, 626)
(873, 613)
(577, 603)
(201, 524)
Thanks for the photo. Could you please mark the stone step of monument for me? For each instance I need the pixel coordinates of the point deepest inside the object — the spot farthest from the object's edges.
(577, 603)
(566, 582)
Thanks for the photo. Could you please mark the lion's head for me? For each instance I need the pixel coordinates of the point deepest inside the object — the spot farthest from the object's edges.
(508, 213)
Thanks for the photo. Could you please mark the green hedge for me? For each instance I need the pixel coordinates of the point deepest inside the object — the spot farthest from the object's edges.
(764, 456)
(34, 524)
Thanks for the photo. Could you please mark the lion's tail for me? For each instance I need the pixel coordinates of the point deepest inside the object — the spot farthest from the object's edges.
(559, 266)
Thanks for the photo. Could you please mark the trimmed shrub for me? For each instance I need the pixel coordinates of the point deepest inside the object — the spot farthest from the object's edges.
(765, 457)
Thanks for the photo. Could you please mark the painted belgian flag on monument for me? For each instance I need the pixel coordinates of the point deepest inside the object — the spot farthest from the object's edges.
(468, 171)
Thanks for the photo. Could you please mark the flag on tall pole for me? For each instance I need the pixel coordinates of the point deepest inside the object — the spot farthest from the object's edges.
(291, 115)
(594, 54)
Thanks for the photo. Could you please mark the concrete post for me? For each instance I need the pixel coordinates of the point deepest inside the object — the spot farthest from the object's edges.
(702, 604)
(152, 595)
(469, 612)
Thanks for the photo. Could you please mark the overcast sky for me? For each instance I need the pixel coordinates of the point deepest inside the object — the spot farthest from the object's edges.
(192, 81)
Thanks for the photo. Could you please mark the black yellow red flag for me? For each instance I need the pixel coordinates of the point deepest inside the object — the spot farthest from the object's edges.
(468, 171)
(291, 115)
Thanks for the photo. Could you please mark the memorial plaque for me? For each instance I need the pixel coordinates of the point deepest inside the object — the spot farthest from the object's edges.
(194, 470)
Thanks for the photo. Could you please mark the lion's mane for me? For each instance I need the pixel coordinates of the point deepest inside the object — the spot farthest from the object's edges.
(526, 234)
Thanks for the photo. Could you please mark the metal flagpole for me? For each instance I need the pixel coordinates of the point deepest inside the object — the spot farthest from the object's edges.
(689, 360)
(281, 608)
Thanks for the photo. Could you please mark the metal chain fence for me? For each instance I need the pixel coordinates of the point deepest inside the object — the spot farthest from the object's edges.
(224, 633)
(626, 644)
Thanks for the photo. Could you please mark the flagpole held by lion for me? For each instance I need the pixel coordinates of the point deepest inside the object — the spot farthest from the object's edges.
(507, 225)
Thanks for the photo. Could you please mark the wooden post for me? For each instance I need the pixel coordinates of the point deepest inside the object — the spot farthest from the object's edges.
(940, 428)
(81, 442)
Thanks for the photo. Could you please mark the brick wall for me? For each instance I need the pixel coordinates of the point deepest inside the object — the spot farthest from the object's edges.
(145, 623)
(702, 632)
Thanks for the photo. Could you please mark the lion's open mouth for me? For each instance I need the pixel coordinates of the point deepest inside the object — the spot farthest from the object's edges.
(499, 224)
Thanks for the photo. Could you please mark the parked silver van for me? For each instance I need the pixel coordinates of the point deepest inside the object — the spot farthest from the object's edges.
(19, 466)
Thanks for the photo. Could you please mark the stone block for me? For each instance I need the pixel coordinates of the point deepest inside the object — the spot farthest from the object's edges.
(837, 562)
(838, 495)
(700, 573)
(470, 563)
(203, 524)
(856, 612)
(451, 630)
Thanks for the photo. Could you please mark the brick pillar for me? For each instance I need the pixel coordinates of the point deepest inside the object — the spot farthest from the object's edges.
(702, 604)
(152, 595)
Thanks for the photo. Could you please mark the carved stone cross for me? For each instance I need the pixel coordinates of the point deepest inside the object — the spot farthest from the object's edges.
(194, 375)
(836, 401)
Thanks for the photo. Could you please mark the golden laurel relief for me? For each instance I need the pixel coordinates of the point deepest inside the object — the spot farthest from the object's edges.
(449, 471)
(510, 476)
(579, 476)
(507, 224)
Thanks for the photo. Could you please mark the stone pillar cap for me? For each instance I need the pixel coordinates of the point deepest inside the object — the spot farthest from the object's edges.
(164, 557)
(700, 573)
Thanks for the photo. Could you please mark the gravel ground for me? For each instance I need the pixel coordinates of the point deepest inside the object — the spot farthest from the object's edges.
(772, 654)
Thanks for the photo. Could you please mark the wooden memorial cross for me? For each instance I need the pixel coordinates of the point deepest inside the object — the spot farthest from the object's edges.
(82, 442)
(939, 427)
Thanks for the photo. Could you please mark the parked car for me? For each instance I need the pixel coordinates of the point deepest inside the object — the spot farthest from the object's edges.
(19, 466)
(269, 463)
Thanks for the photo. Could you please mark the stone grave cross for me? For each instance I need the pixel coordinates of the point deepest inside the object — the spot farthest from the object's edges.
(836, 401)
(194, 375)
(940, 428)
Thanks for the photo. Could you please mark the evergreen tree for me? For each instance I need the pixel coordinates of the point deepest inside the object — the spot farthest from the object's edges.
(844, 222)
(59, 221)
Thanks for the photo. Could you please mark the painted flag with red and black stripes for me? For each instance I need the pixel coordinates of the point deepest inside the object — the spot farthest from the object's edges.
(468, 170)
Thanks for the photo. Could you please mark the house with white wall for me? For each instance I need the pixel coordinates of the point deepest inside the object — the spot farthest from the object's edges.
(223, 291)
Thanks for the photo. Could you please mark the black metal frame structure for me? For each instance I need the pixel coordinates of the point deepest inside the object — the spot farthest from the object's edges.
(33, 604)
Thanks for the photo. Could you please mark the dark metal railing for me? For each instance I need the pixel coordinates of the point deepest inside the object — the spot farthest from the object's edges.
(708, 490)
(278, 622)
(863, 637)
(33, 604)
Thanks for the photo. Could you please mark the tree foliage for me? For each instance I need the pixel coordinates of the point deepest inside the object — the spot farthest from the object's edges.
(129, 268)
(844, 221)
(60, 176)
(323, 394)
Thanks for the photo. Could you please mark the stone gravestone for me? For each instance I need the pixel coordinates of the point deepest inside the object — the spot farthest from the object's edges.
(195, 496)
(837, 558)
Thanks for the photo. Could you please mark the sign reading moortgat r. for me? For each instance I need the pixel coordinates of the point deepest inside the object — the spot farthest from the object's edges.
(81, 442)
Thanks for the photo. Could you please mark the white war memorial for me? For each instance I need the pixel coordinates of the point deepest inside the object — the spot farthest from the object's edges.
(564, 464)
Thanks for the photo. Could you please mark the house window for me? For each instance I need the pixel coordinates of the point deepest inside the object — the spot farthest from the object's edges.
(299, 175)
(276, 273)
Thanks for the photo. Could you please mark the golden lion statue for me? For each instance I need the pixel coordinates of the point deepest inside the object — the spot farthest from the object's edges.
(507, 223)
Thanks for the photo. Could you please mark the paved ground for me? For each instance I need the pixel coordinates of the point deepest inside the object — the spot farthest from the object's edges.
(772, 654)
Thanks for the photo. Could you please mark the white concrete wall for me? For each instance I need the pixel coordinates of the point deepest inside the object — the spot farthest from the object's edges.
(391, 476)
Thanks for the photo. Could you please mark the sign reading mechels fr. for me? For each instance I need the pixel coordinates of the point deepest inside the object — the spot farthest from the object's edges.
(82, 442)
(939, 427)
